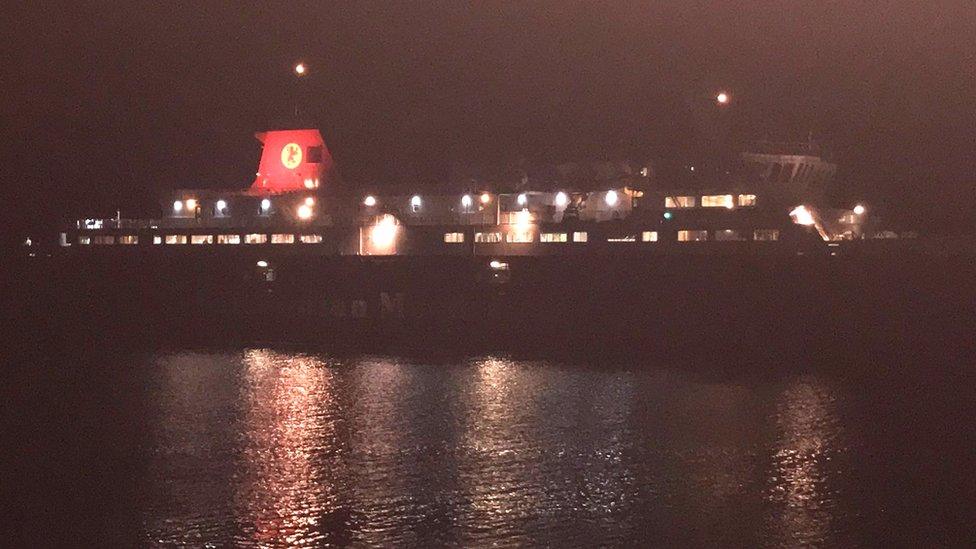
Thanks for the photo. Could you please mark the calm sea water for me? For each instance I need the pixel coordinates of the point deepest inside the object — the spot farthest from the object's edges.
(259, 447)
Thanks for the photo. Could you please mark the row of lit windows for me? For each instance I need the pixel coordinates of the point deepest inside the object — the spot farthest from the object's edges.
(451, 238)
(710, 201)
(201, 239)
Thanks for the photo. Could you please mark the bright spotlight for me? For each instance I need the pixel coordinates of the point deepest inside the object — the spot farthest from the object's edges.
(485, 198)
(304, 212)
(265, 205)
(384, 232)
(561, 199)
(722, 98)
(178, 206)
(415, 201)
(466, 201)
(262, 263)
(309, 201)
(301, 69)
(221, 205)
(369, 201)
(859, 210)
(611, 198)
(522, 199)
(191, 204)
(802, 216)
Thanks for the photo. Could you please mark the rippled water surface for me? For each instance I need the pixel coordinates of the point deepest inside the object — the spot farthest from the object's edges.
(268, 448)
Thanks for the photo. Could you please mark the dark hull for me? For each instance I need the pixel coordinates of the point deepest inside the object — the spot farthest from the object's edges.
(785, 307)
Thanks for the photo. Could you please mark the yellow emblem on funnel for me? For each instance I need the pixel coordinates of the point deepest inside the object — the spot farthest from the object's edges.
(291, 156)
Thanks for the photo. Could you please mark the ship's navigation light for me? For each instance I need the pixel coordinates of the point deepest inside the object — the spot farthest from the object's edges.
(859, 209)
(191, 204)
(301, 69)
(262, 263)
(370, 201)
(415, 202)
(265, 205)
(221, 205)
(522, 199)
(611, 198)
(485, 198)
(178, 206)
(466, 201)
(561, 199)
(668, 216)
(309, 201)
(304, 211)
(722, 98)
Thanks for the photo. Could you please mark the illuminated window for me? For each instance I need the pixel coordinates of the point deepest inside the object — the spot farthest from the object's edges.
(282, 239)
(157, 239)
(717, 201)
(766, 235)
(311, 238)
(729, 235)
(128, 239)
(747, 200)
(255, 239)
(628, 238)
(553, 237)
(649, 236)
(103, 239)
(692, 236)
(201, 239)
(84, 240)
(487, 237)
(579, 236)
(519, 236)
(176, 239)
(454, 238)
(679, 202)
(228, 239)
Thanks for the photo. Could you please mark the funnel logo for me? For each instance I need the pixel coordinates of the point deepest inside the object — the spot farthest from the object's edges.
(291, 156)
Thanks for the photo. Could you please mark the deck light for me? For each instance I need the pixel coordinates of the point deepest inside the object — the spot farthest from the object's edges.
(485, 198)
(722, 98)
(370, 201)
(221, 205)
(415, 202)
(262, 263)
(561, 199)
(522, 199)
(859, 210)
(466, 201)
(191, 204)
(309, 201)
(265, 205)
(304, 212)
(178, 206)
(310, 184)
(611, 198)
(668, 215)
(301, 69)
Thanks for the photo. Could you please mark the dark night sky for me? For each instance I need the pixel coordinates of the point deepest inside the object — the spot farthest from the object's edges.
(106, 104)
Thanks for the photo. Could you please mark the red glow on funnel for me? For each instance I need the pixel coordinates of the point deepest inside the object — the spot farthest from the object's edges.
(292, 160)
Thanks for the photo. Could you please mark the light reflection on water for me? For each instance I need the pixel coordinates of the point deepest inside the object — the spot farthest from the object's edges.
(276, 449)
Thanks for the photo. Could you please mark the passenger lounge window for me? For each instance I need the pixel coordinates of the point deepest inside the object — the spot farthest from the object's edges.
(128, 239)
(679, 202)
(649, 236)
(282, 239)
(766, 235)
(519, 236)
(103, 239)
(201, 239)
(692, 236)
(553, 237)
(311, 238)
(454, 238)
(176, 239)
(747, 200)
(487, 237)
(255, 239)
(579, 236)
(717, 201)
(228, 239)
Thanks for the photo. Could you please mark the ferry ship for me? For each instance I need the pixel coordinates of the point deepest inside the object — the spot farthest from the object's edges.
(769, 204)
